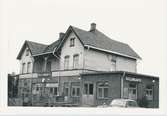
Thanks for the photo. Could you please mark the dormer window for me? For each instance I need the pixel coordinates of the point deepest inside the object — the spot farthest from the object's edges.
(27, 52)
(72, 42)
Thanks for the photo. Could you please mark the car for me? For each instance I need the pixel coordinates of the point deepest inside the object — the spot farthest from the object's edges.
(123, 103)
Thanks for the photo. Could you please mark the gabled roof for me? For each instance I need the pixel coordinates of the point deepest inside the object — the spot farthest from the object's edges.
(97, 40)
(35, 48)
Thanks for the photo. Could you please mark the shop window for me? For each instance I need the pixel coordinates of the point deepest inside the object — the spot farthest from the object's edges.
(66, 62)
(103, 90)
(88, 88)
(75, 61)
(66, 92)
(53, 91)
(75, 90)
(72, 42)
(149, 92)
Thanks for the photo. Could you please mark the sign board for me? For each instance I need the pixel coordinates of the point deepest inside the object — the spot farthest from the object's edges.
(52, 85)
(133, 79)
(44, 75)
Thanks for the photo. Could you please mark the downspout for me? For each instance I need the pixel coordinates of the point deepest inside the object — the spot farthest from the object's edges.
(122, 85)
(58, 74)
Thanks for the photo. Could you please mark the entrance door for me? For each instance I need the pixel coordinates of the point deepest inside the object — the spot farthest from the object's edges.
(88, 95)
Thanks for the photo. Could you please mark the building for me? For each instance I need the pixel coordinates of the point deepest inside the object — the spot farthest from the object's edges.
(54, 74)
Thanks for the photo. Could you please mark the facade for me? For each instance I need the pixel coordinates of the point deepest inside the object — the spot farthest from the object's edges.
(55, 74)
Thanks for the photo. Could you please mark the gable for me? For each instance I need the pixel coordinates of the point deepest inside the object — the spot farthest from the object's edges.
(35, 48)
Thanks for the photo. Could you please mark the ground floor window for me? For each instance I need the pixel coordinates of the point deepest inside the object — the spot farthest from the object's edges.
(88, 88)
(132, 91)
(75, 89)
(149, 92)
(53, 90)
(102, 90)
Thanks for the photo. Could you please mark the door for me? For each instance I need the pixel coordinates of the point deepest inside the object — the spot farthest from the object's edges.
(132, 91)
(88, 94)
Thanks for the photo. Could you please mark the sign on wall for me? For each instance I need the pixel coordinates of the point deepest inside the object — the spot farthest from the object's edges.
(133, 79)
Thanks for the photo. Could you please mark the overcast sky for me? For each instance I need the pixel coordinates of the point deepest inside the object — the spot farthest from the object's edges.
(139, 23)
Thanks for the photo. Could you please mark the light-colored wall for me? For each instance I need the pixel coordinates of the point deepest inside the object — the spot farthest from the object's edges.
(101, 61)
(25, 59)
(67, 50)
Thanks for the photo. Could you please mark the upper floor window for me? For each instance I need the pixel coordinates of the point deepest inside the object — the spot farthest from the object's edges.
(75, 61)
(113, 63)
(29, 67)
(24, 68)
(27, 52)
(72, 42)
(66, 62)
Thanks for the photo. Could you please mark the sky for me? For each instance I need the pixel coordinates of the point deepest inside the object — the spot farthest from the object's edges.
(139, 23)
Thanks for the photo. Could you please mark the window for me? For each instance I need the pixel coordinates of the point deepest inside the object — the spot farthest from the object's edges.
(88, 88)
(75, 91)
(75, 61)
(149, 92)
(103, 90)
(132, 91)
(66, 92)
(72, 42)
(113, 65)
(66, 62)
(29, 67)
(27, 52)
(53, 91)
(24, 68)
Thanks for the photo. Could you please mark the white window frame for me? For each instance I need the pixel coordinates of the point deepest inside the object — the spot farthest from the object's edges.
(29, 67)
(75, 88)
(66, 62)
(102, 87)
(149, 93)
(72, 42)
(75, 61)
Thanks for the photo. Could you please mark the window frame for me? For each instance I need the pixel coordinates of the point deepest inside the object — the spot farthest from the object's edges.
(66, 62)
(23, 68)
(75, 61)
(27, 52)
(104, 86)
(72, 41)
(87, 90)
(75, 88)
(28, 67)
(150, 93)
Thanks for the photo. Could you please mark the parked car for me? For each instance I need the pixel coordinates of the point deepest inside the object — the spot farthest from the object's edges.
(124, 103)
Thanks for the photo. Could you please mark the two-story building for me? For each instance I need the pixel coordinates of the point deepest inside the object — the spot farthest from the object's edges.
(86, 68)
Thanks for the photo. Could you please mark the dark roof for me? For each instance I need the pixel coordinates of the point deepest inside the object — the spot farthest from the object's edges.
(51, 47)
(99, 40)
(92, 38)
(35, 48)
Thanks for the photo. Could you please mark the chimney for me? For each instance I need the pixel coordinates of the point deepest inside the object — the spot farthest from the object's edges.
(61, 34)
(93, 27)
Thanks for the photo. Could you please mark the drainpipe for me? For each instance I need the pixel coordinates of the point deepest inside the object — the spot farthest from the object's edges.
(122, 85)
